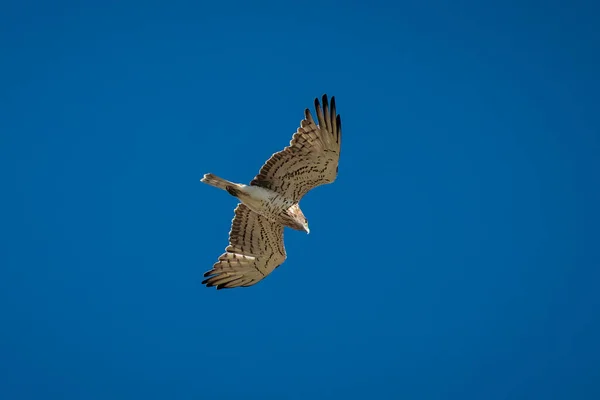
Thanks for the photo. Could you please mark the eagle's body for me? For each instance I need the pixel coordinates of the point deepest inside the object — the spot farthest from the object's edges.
(265, 202)
(270, 202)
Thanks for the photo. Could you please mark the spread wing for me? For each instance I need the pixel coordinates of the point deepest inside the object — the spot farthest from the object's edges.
(255, 250)
(310, 160)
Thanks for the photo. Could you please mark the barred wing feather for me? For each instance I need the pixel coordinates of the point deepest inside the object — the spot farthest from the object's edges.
(255, 250)
(310, 160)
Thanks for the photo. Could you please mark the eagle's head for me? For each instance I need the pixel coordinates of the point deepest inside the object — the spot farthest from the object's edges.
(296, 219)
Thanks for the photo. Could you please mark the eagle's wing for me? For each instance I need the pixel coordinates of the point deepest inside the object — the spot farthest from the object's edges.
(255, 250)
(310, 160)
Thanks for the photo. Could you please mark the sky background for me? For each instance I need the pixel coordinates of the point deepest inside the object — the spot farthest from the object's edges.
(456, 256)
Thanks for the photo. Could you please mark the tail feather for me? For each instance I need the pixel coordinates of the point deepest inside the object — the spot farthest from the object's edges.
(217, 182)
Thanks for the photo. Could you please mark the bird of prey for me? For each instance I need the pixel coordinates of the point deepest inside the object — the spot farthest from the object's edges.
(270, 201)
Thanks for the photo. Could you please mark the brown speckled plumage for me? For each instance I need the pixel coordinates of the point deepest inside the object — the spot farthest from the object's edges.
(310, 160)
(256, 237)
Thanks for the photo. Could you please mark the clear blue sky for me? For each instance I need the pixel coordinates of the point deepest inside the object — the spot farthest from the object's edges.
(456, 256)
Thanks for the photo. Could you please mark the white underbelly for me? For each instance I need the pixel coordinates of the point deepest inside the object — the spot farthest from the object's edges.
(264, 201)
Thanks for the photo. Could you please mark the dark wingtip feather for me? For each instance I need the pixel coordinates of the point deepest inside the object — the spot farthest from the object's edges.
(205, 282)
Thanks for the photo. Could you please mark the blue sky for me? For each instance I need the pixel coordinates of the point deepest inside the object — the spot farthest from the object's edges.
(456, 256)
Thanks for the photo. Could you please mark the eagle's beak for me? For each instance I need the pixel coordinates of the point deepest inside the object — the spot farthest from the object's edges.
(307, 230)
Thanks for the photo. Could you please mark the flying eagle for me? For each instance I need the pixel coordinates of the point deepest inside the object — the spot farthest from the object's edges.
(270, 202)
